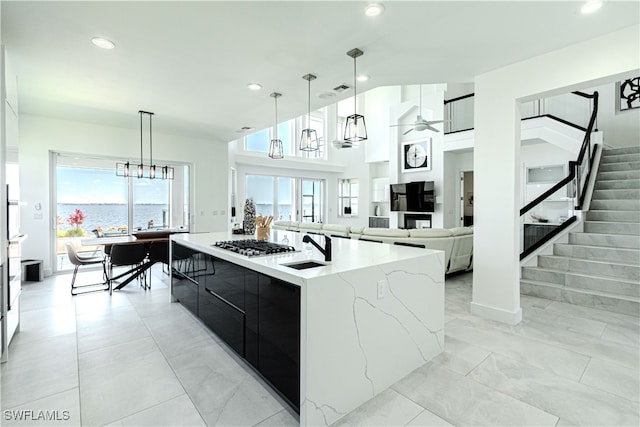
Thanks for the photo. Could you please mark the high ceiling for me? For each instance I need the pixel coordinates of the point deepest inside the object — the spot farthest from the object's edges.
(190, 62)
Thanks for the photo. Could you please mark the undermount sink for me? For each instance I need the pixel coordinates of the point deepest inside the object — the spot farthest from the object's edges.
(303, 265)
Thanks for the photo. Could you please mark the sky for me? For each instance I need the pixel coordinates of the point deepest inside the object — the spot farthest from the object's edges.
(84, 186)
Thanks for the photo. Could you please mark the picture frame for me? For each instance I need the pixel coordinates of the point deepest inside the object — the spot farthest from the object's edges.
(415, 156)
(628, 92)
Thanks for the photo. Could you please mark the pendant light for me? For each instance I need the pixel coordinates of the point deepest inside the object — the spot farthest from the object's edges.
(309, 138)
(275, 146)
(355, 129)
(124, 169)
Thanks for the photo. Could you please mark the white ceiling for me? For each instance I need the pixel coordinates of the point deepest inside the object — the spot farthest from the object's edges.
(190, 62)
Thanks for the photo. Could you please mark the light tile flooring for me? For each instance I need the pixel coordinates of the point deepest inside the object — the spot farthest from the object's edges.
(135, 359)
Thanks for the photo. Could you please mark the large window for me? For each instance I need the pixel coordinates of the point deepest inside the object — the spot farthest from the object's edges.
(89, 196)
(260, 189)
(287, 198)
(289, 133)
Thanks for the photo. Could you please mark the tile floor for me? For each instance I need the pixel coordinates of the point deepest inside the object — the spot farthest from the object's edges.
(136, 359)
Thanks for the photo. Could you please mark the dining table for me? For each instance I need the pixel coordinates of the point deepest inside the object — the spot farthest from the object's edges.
(147, 237)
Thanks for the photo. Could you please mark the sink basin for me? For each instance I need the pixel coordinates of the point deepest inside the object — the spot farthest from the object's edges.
(303, 265)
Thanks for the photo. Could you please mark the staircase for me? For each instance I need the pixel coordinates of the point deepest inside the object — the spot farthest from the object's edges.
(599, 267)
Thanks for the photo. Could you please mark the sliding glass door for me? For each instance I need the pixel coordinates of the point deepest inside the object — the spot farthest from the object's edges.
(89, 199)
(287, 198)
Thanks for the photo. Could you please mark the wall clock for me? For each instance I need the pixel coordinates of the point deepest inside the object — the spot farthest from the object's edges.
(416, 155)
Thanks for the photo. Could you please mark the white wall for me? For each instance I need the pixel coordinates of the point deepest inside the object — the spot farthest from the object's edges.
(406, 112)
(40, 135)
(496, 288)
(619, 128)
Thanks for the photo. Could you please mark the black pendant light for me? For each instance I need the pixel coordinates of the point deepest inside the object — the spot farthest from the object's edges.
(309, 138)
(124, 169)
(355, 129)
(275, 146)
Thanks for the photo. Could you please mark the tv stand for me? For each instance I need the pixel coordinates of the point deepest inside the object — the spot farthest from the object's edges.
(417, 220)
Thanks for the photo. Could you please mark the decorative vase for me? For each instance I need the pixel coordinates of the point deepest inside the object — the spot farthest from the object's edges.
(378, 210)
(249, 217)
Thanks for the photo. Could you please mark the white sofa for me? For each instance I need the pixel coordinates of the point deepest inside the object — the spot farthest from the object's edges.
(457, 243)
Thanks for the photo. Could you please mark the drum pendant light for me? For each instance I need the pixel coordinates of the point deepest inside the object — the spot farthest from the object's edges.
(355, 129)
(309, 138)
(275, 146)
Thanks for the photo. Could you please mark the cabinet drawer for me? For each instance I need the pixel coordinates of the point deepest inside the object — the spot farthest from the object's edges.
(185, 291)
(223, 319)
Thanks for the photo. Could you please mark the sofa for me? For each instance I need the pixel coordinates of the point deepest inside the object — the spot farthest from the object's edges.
(456, 243)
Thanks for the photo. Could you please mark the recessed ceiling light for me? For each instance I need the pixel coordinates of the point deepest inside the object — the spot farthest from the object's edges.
(591, 6)
(374, 9)
(363, 77)
(244, 129)
(254, 86)
(103, 43)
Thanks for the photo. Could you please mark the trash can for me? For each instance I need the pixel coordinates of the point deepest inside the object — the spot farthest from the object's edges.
(32, 270)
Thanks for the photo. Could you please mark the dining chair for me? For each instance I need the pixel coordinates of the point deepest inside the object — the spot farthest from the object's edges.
(131, 255)
(78, 261)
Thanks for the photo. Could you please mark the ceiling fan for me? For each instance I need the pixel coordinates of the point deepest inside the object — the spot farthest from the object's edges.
(421, 124)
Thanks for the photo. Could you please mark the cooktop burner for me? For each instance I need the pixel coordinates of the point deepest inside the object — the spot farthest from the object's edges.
(253, 247)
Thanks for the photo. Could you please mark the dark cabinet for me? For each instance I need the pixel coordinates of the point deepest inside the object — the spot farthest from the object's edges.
(256, 315)
(378, 222)
(279, 336)
(251, 318)
(184, 287)
(221, 302)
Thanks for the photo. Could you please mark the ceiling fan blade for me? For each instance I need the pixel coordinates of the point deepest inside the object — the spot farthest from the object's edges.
(431, 128)
(408, 131)
(393, 126)
(433, 122)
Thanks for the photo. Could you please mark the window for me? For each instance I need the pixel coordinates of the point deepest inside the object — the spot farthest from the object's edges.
(348, 191)
(289, 133)
(89, 196)
(260, 189)
(290, 193)
(312, 200)
(258, 141)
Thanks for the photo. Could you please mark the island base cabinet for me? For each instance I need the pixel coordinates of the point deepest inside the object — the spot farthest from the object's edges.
(279, 336)
(226, 321)
(221, 303)
(251, 318)
(185, 291)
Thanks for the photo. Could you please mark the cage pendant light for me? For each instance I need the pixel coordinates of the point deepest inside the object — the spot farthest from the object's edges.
(275, 146)
(355, 129)
(142, 171)
(309, 138)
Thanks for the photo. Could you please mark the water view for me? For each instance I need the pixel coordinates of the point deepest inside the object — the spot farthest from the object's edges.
(111, 216)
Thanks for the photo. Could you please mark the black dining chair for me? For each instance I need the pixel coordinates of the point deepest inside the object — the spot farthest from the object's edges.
(132, 255)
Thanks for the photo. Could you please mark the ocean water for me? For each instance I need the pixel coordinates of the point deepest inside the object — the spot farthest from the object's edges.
(111, 215)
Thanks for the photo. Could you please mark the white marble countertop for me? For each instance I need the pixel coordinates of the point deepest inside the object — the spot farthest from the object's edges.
(347, 254)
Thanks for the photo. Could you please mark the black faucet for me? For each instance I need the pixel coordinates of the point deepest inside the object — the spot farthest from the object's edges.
(327, 246)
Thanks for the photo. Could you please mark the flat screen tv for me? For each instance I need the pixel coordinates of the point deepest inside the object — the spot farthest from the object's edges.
(416, 196)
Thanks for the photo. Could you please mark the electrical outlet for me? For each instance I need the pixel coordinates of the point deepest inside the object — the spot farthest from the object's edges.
(37, 215)
(222, 212)
(382, 291)
(215, 212)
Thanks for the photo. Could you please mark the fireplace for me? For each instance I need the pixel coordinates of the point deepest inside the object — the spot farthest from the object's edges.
(417, 221)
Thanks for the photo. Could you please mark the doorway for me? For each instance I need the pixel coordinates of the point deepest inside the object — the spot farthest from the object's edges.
(466, 198)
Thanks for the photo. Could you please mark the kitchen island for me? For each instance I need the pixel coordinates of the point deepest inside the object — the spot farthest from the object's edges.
(327, 338)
